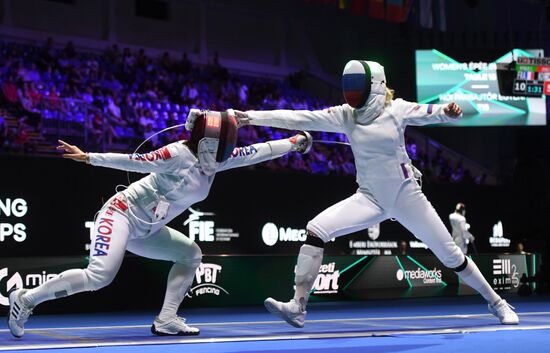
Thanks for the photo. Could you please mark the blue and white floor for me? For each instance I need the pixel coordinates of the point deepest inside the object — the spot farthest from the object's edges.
(457, 324)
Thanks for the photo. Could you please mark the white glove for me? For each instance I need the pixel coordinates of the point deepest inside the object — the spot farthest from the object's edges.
(241, 117)
(191, 117)
(302, 142)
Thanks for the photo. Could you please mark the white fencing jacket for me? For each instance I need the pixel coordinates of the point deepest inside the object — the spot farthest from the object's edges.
(461, 234)
(176, 177)
(378, 143)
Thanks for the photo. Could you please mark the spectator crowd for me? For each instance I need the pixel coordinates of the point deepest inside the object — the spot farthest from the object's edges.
(120, 97)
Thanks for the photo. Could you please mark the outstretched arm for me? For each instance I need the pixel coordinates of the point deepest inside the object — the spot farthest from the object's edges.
(332, 119)
(424, 114)
(261, 152)
(161, 160)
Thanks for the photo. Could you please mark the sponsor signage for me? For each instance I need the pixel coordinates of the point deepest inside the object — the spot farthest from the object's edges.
(498, 240)
(16, 280)
(31, 272)
(327, 279)
(374, 231)
(206, 278)
(507, 270)
(420, 274)
(202, 228)
(12, 219)
(271, 234)
(248, 280)
(218, 224)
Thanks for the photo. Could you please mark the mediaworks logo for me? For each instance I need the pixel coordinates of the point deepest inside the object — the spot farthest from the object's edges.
(427, 276)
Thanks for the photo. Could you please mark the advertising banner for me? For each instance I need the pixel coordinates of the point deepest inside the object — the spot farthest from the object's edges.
(248, 280)
(246, 212)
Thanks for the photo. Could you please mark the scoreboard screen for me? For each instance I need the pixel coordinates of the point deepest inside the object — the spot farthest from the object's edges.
(472, 82)
(526, 76)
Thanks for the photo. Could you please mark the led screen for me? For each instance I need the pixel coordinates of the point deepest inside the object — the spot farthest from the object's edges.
(472, 82)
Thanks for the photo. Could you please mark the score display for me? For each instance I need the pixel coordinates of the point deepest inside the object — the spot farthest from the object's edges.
(491, 92)
(532, 77)
(527, 88)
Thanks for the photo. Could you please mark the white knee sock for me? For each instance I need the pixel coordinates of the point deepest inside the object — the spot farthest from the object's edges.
(473, 277)
(180, 279)
(307, 269)
(66, 283)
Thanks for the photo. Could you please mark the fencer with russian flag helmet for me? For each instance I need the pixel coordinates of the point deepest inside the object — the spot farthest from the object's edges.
(374, 124)
(180, 174)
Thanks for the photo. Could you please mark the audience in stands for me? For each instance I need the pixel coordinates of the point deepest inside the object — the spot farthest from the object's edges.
(119, 98)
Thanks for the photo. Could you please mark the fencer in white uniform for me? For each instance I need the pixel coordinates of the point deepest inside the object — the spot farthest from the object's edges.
(460, 228)
(135, 219)
(375, 124)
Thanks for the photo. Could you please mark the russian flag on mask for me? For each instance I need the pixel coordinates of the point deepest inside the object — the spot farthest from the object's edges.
(353, 85)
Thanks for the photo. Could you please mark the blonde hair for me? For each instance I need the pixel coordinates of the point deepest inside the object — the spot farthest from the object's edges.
(389, 95)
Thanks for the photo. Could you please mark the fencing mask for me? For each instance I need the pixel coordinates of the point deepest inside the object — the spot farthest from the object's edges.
(215, 136)
(364, 86)
(460, 208)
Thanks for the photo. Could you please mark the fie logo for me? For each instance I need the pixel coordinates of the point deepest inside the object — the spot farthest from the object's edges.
(203, 230)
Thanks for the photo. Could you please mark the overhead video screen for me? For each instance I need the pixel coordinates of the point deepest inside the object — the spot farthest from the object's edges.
(470, 79)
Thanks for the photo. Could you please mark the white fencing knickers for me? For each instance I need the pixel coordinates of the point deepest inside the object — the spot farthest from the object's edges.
(404, 201)
(398, 199)
(111, 237)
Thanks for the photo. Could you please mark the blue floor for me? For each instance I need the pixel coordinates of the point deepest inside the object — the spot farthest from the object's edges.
(408, 325)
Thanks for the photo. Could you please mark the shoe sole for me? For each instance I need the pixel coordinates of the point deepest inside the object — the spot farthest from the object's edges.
(181, 333)
(9, 314)
(273, 309)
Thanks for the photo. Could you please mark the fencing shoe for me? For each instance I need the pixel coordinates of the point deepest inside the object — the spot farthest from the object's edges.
(291, 311)
(175, 326)
(504, 312)
(19, 313)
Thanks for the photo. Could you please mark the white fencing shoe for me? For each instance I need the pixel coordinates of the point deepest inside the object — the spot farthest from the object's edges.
(504, 312)
(175, 326)
(19, 313)
(291, 311)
